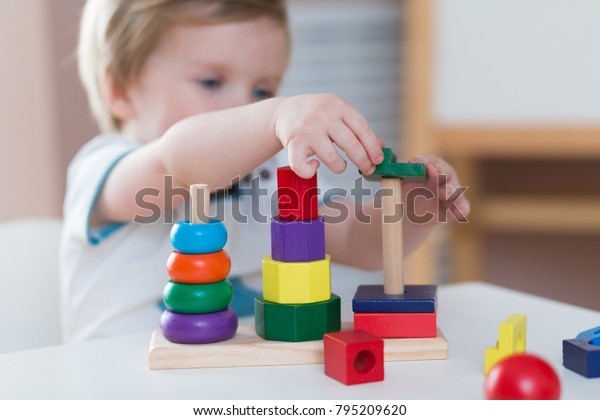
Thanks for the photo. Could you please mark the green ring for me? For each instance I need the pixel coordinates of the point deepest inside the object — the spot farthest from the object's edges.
(198, 298)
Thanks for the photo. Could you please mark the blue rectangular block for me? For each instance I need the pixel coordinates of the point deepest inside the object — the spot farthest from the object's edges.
(582, 357)
(416, 298)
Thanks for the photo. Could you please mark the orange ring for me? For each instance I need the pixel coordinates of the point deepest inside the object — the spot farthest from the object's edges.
(198, 268)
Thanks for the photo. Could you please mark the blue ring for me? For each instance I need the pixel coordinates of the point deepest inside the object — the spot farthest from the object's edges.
(201, 238)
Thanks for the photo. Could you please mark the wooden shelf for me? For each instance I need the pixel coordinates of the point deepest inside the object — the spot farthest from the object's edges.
(540, 215)
(469, 144)
(514, 141)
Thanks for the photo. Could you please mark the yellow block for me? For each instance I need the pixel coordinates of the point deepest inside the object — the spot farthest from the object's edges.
(296, 282)
(512, 340)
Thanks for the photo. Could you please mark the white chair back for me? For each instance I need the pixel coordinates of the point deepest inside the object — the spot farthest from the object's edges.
(29, 284)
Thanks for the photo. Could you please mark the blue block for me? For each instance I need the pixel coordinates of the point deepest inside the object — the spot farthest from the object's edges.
(416, 298)
(591, 335)
(582, 357)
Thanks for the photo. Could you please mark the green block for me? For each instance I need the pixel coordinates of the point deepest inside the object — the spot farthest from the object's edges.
(389, 168)
(296, 323)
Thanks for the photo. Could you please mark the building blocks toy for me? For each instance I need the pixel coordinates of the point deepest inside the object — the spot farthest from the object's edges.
(592, 335)
(302, 322)
(198, 295)
(295, 283)
(197, 298)
(248, 349)
(353, 357)
(198, 328)
(391, 173)
(198, 268)
(416, 298)
(297, 197)
(198, 238)
(297, 242)
(390, 167)
(582, 354)
(298, 271)
(300, 325)
(397, 325)
(512, 339)
(395, 310)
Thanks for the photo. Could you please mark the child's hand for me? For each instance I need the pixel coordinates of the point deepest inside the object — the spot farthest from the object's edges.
(311, 125)
(443, 183)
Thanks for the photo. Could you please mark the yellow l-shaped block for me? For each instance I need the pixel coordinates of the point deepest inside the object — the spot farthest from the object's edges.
(511, 340)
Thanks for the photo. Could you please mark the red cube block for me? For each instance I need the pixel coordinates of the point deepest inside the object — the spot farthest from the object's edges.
(297, 198)
(353, 357)
(397, 325)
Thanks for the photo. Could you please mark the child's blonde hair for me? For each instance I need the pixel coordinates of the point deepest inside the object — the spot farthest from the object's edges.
(117, 36)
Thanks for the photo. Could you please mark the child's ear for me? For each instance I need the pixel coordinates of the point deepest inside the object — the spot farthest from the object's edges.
(117, 98)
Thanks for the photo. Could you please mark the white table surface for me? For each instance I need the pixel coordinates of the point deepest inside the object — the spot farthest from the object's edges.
(469, 315)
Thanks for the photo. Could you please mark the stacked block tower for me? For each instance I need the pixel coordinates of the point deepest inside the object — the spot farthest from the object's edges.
(198, 295)
(297, 303)
(395, 310)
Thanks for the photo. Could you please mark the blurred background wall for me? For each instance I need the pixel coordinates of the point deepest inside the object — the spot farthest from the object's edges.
(506, 90)
(43, 113)
(515, 104)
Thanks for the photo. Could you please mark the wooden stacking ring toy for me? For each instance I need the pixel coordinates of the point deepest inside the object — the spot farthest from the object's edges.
(201, 238)
(198, 328)
(198, 268)
(198, 298)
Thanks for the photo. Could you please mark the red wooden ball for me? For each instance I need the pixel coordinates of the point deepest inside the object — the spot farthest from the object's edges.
(522, 377)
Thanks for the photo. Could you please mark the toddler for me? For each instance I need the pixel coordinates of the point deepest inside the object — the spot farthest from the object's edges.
(184, 92)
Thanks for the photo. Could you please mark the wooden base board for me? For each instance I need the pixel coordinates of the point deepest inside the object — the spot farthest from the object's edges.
(248, 349)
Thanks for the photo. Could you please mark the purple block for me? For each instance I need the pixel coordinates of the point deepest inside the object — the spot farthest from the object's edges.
(198, 328)
(298, 241)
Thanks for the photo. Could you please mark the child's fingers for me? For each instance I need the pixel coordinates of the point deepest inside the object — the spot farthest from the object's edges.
(342, 136)
(454, 197)
(364, 133)
(461, 210)
(436, 167)
(326, 151)
(298, 156)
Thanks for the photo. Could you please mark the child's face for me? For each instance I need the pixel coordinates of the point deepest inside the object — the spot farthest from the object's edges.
(197, 69)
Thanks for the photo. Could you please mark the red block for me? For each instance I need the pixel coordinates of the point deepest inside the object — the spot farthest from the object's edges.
(353, 357)
(297, 198)
(397, 325)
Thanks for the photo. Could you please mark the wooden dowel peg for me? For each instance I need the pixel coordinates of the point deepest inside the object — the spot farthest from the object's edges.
(199, 203)
(392, 209)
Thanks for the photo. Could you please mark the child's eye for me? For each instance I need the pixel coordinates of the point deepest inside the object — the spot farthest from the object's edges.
(211, 83)
(260, 94)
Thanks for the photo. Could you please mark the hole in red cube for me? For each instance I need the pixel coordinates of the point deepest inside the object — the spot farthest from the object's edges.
(364, 361)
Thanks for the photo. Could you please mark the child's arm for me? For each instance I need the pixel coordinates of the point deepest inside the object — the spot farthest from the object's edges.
(214, 148)
(357, 244)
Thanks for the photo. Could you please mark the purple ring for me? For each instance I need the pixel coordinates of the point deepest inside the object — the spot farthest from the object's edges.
(198, 328)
